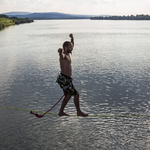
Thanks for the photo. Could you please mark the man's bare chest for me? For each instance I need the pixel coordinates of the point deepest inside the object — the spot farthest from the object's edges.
(67, 59)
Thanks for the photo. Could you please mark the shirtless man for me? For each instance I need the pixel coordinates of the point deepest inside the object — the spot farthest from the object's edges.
(64, 79)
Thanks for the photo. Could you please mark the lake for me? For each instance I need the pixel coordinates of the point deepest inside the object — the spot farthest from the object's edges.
(111, 71)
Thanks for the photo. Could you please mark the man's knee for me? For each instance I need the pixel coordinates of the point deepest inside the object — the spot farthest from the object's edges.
(77, 95)
(67, 96)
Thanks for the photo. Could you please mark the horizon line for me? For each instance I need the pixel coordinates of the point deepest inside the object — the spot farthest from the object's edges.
(72, 13)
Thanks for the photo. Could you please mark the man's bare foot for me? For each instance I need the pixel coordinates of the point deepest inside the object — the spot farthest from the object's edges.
(63, 114)
(80, 113)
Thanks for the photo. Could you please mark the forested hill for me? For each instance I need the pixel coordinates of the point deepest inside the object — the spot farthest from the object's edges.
(132, 17)
(6, 21)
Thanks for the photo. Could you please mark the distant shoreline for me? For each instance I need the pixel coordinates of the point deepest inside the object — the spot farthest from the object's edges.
(137, 17)
(64, 16)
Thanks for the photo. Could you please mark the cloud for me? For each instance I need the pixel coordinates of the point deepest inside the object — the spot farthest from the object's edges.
(26, 5)
(2, 2)
(91, 7)
(95, 1)
(103, 1)
(148, 1)
(79, 2)
(146, 7)
(108, 1)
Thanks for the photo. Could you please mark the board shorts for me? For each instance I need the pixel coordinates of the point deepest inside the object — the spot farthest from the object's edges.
(65, 83)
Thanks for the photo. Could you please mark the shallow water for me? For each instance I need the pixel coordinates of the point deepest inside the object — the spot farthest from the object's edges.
(111, 70)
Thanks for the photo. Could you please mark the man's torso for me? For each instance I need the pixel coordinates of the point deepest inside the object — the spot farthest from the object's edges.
(65, 65)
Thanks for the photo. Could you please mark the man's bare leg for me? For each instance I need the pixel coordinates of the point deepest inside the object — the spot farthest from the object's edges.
(64, 103)
(76, 102)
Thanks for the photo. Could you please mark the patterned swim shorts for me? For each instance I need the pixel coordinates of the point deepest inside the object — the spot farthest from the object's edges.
(65, 82)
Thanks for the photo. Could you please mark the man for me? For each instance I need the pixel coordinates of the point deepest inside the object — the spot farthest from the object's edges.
(64, 78)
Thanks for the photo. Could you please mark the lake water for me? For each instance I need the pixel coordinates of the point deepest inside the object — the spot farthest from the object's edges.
(111, 71)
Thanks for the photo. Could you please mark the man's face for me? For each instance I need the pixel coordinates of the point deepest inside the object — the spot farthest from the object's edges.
(70, 48)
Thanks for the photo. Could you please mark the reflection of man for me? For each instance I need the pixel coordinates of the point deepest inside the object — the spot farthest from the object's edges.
(64, 79)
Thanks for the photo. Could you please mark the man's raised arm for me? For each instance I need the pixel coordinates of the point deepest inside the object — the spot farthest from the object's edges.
(72, 39)
(60, 53)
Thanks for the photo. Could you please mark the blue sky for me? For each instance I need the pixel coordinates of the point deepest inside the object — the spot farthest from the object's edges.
(89, 7)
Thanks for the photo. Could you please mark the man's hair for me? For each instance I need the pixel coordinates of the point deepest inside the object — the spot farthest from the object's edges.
(66, 44)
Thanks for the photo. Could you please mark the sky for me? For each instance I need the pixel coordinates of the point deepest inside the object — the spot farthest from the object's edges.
(87, 7)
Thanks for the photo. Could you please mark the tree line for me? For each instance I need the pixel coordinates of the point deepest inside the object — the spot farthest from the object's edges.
(132, 17)
(6, 21)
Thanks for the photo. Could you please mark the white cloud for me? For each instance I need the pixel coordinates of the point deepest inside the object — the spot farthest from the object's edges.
(95, 1)
(108, 1)
(79, 2)
(102, 1)
(90, 7)
(2, 2)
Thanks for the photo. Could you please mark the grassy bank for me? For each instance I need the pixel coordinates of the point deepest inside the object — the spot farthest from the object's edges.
(5, 21)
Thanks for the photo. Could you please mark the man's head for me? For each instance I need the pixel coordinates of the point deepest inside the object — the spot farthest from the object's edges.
(68, 47)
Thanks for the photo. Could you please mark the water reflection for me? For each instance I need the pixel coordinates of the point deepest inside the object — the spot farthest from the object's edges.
(110, 70)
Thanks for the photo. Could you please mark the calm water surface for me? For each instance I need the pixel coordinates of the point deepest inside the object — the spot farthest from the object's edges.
(111, 70)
